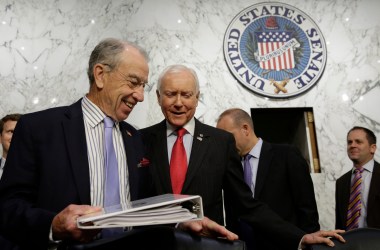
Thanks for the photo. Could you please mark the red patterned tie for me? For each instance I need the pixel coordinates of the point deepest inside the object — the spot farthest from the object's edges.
(178, 163)
(355, 204)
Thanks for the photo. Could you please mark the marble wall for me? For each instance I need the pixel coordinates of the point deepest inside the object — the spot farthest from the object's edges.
(45, 45)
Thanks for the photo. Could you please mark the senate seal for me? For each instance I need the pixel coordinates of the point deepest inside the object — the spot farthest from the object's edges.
(275, 50)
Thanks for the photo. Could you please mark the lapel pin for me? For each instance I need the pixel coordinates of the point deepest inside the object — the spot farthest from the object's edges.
(129, 133)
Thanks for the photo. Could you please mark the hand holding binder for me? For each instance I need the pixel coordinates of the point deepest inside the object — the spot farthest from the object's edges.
(162, 209)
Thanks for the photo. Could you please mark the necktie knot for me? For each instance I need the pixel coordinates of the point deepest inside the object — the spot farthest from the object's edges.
(108, 122)
(247, 157)
(359, 170)
(181, 132)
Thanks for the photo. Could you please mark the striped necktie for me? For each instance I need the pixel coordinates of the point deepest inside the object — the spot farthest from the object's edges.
(355, 203)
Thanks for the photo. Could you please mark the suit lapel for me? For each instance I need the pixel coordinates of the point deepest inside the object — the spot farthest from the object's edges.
(75, 139)
(374, 190)
(160, 151)
(345, 196)
(131, 154)
(199, 148)
(266, 156)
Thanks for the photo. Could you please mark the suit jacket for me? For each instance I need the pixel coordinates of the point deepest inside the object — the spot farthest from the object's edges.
(214, 165)
(342, 195)
(47, 169)
(284, 183)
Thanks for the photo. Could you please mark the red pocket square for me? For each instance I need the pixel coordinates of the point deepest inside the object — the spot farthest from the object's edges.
(143, 163)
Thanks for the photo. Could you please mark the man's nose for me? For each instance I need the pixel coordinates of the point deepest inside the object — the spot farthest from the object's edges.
(138, 94)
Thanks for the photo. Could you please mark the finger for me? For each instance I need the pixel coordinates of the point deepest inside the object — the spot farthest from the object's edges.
(334, 233)
(193, 226)
(216, 229)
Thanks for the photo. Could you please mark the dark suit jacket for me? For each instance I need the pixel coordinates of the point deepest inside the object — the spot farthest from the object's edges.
(215, 166)
(342, 195)
(47, 169)
(284, 183)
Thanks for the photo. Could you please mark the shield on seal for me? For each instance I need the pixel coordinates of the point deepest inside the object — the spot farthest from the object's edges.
(275, 47)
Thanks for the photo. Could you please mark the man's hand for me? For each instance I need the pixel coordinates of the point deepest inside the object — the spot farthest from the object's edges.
(322, 237)
(64, 225)
(208, 228)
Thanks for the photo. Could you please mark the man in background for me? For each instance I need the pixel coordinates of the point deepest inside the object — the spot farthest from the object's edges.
(277, 175)
(357, 194)
(7, 126)
(189, 157)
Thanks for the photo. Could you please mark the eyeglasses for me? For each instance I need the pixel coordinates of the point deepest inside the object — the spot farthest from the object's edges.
(133, 81)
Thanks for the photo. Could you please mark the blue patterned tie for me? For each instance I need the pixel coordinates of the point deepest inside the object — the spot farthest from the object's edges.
(111, 183)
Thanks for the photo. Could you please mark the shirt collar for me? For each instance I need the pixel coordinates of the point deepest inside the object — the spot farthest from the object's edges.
(92, 113)
(2, 162)
(189, 126)
(368, 166)
(255, 151)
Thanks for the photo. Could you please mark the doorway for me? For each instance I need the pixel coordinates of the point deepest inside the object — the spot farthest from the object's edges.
(289, 125)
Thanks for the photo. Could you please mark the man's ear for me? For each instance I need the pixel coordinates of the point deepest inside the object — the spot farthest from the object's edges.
(373, 148)
(245, 128)
(99, 75)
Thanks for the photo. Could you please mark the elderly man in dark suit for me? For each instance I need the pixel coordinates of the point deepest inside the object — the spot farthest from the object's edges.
(54, 170)
(280, 177)
(361, 147)
(209, 163)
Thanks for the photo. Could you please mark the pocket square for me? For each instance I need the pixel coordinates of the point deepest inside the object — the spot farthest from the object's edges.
(143, 163)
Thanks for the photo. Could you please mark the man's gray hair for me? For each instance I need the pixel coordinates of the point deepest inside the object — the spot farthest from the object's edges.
(177, 68)
(108, 52)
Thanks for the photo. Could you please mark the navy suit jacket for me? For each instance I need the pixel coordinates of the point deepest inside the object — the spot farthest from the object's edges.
(214, 166)
(47, 169)
(342, 195)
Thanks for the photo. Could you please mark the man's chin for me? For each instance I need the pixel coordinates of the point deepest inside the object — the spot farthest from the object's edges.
(177, 122)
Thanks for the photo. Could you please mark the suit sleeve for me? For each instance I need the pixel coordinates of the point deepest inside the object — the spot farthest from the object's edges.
(302, 190)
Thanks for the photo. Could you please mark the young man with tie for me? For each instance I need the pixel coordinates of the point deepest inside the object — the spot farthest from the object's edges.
(358, 191)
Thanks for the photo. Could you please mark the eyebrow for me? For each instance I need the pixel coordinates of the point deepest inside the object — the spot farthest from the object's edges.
(131, 75)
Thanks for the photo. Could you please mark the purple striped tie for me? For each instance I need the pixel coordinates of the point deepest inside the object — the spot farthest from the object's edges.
(355, 203)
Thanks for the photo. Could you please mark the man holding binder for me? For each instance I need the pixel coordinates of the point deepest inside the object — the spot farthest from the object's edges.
(208, 162)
